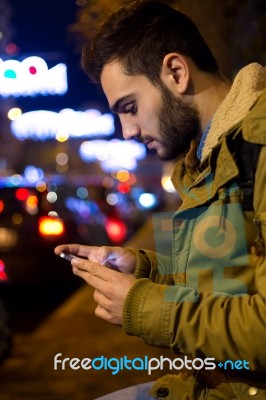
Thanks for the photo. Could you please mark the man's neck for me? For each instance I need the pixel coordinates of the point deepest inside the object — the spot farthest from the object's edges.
(206, 92)
(209, 99)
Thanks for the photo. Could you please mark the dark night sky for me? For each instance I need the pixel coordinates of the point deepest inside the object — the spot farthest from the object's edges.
(40, 26)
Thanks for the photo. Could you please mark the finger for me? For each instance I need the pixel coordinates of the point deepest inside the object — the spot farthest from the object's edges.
(99, 254)
(101, 299)
(104, 314)
(103, 254)
(68, 248)
(76, 249)
(94, 281)
(95, 269)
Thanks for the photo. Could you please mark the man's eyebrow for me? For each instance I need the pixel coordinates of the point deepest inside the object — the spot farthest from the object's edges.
(119, 103)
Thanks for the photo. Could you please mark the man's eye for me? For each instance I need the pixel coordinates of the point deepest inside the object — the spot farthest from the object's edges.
(130, 109)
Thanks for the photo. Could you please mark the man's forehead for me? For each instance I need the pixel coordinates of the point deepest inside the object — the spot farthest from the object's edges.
(110, 71)
(117, 84)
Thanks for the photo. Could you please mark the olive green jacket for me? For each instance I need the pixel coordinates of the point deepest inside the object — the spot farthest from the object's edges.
(207, 299)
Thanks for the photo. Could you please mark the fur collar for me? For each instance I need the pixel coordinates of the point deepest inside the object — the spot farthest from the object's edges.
(247, 87)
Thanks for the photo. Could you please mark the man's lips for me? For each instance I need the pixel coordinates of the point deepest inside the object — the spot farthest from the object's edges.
(148, 143)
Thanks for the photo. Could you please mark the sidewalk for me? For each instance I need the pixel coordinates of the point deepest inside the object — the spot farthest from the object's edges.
(74, 331)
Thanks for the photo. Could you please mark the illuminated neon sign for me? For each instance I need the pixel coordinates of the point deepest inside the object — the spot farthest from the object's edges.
(113, 154)
(31, 77)
(43, 125)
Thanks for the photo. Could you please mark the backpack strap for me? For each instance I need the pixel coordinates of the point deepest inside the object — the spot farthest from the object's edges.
(248, 156)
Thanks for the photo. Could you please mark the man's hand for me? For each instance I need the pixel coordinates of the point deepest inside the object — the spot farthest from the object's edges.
(111, 288)
(108, 270)
(116, 258)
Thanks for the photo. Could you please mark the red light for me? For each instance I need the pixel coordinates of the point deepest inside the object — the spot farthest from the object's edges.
(116, 230)
(2, 206)
(22, 194)
(123, 187)
(3, 275)
(12, 48)
(49, 226)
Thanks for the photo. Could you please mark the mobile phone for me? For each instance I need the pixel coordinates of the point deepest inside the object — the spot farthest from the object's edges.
(67, 256)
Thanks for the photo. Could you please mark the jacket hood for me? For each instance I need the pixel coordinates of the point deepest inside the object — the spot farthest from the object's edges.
(248, 84)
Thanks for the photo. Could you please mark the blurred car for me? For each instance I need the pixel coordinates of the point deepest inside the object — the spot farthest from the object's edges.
(36, 218)
(39, 212)
(29, 230)
(28, 235)
(33, 280)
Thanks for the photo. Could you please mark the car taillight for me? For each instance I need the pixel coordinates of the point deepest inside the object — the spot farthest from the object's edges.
(49, 226)
(3, 275)
(116, 230)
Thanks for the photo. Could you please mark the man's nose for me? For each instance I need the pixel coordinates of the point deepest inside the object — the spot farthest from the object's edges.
(130, 130)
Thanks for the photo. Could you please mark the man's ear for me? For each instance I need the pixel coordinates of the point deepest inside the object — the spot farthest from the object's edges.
(175, 72)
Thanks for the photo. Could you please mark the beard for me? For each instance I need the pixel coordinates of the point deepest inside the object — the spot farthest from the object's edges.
(179, 124)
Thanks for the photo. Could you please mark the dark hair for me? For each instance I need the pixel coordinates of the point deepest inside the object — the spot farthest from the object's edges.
(139, 35)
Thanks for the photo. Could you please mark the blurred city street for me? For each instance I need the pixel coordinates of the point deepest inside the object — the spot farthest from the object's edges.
(73, 330)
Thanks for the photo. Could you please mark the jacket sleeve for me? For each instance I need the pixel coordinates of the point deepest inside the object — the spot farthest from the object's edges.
(156, 267)
(194, 323)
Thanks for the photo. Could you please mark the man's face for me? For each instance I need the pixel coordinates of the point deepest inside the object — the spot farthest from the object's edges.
(178, 124)
(149, 114)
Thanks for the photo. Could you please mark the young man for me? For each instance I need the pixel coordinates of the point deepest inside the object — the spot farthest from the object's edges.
(206, 300)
